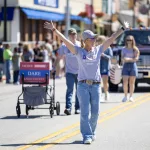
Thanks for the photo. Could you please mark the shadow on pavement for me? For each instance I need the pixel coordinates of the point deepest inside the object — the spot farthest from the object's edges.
(40, 144)
(25, 117)
(106, 102)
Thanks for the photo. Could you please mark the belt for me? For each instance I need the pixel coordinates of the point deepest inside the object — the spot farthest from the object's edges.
(90, 82)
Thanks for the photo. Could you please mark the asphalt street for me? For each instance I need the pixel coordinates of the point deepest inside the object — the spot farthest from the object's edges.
(121, 126)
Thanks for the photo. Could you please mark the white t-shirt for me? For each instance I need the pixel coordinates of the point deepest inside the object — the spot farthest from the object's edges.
(71, 60)
(89, 63)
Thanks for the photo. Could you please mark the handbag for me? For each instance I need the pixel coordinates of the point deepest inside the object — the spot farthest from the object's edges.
(115, 74)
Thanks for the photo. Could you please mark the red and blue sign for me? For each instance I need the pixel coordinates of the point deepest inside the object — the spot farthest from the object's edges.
(34, 72)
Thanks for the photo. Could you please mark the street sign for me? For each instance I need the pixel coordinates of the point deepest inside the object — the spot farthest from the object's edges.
(48, 3)
(34, 72)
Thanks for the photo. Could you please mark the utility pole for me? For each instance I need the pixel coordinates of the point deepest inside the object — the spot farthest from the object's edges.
(92, 11)
(134, 17)
(110, 5)
(148, 13)
(5, 20)
(67, 18)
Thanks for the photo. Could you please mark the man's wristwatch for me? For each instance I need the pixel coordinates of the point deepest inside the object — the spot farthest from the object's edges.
(122, 28)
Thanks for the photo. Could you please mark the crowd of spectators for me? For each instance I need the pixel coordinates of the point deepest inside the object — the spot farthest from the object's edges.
(10, 59)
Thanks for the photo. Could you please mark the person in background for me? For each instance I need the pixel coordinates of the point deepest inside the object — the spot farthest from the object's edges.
(36, 49)
(71, 72)
(59, 63)
(7, 55)
(28, 55)
(105, 64)
(88, 89)
(130, 55)
(49, 48)
(1, 61)
(20, 48)
(16, 59)
(39, 55)
(44, 53)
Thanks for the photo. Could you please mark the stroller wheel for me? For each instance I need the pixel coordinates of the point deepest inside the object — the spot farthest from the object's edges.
(58, 108)
(18, 111)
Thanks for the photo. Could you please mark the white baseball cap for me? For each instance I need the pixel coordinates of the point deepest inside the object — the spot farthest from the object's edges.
(87, 34)
(72, 31)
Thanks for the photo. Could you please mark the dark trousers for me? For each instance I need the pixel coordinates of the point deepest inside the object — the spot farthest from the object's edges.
(15, 76)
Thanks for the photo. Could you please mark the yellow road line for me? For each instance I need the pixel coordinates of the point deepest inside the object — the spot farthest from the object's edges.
(50, 136)
(125, 109)
(123, 104)
(60, 140)
(77, 124)
(102, 120)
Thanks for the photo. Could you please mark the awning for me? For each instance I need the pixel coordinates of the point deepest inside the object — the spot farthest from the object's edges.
(43, 15)
(74, 17)
(87, 20)
(46, 15)
(10, 13)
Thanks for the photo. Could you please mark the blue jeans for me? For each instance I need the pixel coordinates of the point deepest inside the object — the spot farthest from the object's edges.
(89, 99)
(1, 70)
(7, 67)
(130, 69)
(71, 79)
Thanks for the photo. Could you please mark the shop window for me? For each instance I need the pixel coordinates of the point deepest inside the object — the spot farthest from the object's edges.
(1, 31)
(105, 6)
(30, 29)
(37, 29)
(22, 26)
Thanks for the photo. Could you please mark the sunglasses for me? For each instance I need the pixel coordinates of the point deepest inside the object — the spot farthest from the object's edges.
(93, 39)
(129, 40)
(73, 34)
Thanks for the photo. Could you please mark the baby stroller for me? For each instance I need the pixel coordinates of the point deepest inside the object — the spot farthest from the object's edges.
(34, 77)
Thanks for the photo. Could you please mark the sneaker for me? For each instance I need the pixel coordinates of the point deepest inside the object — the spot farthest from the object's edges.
(87, 141)
(77, 111)
(106, 96)
(124, 99)
(57, 77)
(94, 138)
(16, 83)
(67, 111)
(131, 99)
(8, 82)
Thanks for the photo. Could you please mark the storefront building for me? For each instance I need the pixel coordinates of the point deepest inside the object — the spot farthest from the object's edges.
(25, 18)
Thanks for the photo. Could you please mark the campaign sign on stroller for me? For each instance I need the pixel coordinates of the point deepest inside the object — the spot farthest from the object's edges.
(34, 72)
